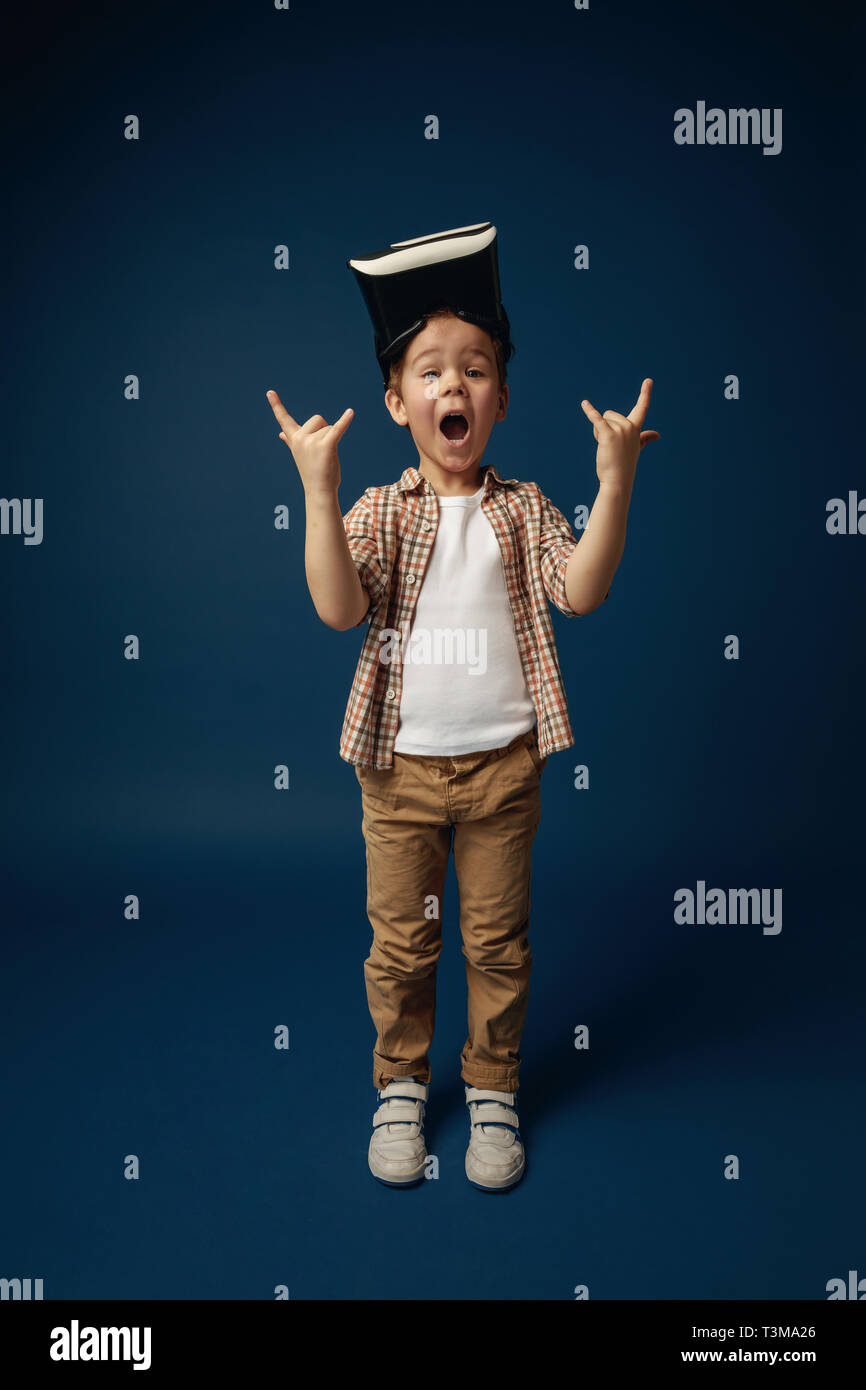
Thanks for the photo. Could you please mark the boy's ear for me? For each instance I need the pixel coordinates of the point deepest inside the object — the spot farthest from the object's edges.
(395, 407)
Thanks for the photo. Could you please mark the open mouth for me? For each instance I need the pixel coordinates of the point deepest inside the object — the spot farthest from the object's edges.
(455, 427)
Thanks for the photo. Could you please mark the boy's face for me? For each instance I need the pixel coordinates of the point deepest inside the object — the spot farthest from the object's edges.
(449, 367)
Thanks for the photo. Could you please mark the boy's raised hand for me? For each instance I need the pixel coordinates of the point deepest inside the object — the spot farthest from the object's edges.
(313, 446)
(620, 438)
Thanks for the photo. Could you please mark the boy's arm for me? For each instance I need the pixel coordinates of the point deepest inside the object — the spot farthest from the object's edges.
(597, 554)
(332, 576)
(558, 547)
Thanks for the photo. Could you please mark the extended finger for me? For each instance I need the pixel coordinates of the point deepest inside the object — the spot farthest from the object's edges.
(641, 405)
(285, 419)
(339, 427)
(591, 413)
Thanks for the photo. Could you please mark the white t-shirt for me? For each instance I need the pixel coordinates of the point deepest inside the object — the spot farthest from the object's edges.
(463, 685)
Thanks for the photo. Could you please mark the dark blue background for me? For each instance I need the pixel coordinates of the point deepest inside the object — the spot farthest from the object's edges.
(155, 777)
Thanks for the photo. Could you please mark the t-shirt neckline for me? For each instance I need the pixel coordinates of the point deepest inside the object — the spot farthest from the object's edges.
(467, 501)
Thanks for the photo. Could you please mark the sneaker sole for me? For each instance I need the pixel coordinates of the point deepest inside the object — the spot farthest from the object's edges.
(495, 1187)
(390, 1182)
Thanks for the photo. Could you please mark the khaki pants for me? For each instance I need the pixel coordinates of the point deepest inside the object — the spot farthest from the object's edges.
(491, 803)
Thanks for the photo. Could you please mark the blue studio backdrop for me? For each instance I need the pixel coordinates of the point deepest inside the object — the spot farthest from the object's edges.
(187, 1045)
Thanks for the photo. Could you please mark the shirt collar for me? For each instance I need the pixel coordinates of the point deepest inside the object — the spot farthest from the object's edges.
(412, 478)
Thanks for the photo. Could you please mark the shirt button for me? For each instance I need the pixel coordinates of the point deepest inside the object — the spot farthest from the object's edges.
(390, 694)
(410, 579)
(425, 526)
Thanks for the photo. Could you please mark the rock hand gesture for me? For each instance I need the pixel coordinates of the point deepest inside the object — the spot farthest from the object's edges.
(620, 439)
(313, 446)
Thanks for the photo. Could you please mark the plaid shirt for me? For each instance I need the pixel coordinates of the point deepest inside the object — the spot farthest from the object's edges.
(391, 530)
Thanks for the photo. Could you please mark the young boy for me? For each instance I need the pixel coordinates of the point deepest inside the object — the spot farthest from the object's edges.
(458, 698)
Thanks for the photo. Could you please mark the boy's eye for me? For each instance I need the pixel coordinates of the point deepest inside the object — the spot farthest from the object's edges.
(433, 369)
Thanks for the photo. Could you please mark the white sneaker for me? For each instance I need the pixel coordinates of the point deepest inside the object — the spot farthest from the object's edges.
(398, 1152)
(495, 1159)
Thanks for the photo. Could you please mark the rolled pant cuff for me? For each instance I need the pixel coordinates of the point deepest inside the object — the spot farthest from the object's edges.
(381, 1080)
(491, 1083)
